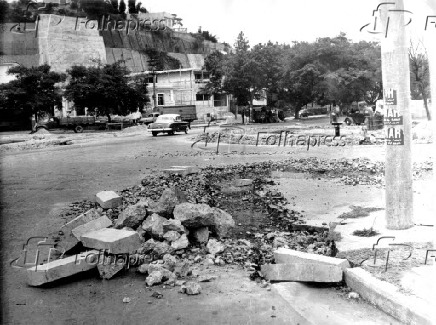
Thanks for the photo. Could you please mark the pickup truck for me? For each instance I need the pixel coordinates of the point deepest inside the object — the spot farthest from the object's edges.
(76, 123)
(188, 113)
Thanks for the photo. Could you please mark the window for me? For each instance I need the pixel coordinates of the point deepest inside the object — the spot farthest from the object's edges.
(220, 100)
(201, 76)
(150, 79)
(160, 99)
(202, 97)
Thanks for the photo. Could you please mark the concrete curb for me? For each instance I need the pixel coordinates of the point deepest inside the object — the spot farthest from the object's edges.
(386, 296)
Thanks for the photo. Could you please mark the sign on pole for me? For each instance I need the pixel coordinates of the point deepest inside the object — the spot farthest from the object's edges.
(398, 120)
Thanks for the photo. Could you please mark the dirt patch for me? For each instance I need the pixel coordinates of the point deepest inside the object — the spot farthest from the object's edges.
(366, 232)
(358, 212)
(398, 261)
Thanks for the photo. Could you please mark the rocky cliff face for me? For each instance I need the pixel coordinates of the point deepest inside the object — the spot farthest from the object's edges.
(66, 41)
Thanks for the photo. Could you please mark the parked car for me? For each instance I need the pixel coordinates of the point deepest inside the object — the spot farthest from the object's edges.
(150, 118)
(358, 116)
(168, 123)
(307, 112)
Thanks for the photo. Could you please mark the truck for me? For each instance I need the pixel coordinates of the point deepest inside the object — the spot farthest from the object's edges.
(76, 123)
(188, 113)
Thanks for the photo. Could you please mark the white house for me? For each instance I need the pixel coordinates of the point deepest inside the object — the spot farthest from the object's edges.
(185, 87)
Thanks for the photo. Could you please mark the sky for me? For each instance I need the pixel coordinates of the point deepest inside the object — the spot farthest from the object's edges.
(282, 21)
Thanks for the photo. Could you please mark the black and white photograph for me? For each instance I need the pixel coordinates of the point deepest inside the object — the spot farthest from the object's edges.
(228, 162)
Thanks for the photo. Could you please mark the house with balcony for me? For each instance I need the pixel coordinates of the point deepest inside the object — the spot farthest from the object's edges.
(185, 86)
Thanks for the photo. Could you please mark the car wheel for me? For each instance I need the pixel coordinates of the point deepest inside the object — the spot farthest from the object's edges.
(154, 134)
(170, 132)
(78, 129)
(348, 121)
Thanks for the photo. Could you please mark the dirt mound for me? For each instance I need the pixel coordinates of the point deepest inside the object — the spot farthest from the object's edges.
(42, 131)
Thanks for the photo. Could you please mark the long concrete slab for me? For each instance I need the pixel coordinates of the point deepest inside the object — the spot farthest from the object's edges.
(386, 296)
(302, 272)
(326, 306)
(62, 268)
(289, 256)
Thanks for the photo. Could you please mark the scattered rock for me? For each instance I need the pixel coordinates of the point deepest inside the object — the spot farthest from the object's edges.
(147, 247)
(162, 248)
(126, 300)
(214, 246)
(157, 295)
(222, 223)
(167, 202)
(132, 216)
(353, 295)
(194, 215)
(153, 225)
(173, 225)
(169, 262)
(180, 243)
(171, 236)
(155, 277)
(191, 288)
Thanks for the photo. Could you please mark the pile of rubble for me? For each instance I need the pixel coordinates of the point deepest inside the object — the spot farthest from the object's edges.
(162, 238)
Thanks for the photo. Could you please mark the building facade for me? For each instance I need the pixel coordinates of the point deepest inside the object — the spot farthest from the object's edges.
(186, 87)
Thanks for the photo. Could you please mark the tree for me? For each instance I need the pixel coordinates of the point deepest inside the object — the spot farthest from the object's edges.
(132, 7)
(94, 9)
(114, 4)
(122, 7)
(4, 11)
(303, 75)
(35, 90)
(106, 89)
(419, 74)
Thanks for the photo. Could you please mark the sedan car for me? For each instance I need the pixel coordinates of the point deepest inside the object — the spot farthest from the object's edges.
(168, 123)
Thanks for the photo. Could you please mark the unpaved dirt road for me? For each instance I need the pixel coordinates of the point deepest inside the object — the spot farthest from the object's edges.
(37, 184)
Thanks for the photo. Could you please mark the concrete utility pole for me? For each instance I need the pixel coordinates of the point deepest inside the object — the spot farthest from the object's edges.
(430, 45)
(398, 120)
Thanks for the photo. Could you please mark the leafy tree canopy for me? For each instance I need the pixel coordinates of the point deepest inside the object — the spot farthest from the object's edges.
(35, 90)
(106, 89)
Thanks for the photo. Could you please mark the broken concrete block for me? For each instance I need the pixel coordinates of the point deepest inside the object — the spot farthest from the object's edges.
(108, 199)
(147, 247)
(62, 268)
(67, 240)
(222, 223)
(153, 225)
(194, 215)
(171, 236)
(133, 215)
(162, 248)
(109, 267)
(113, 241)
(302, 272)
(97, 224)
(289, 256)
(169, 199)
(155, 277)
(180, 243)
(214, 246)
(173, 225)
